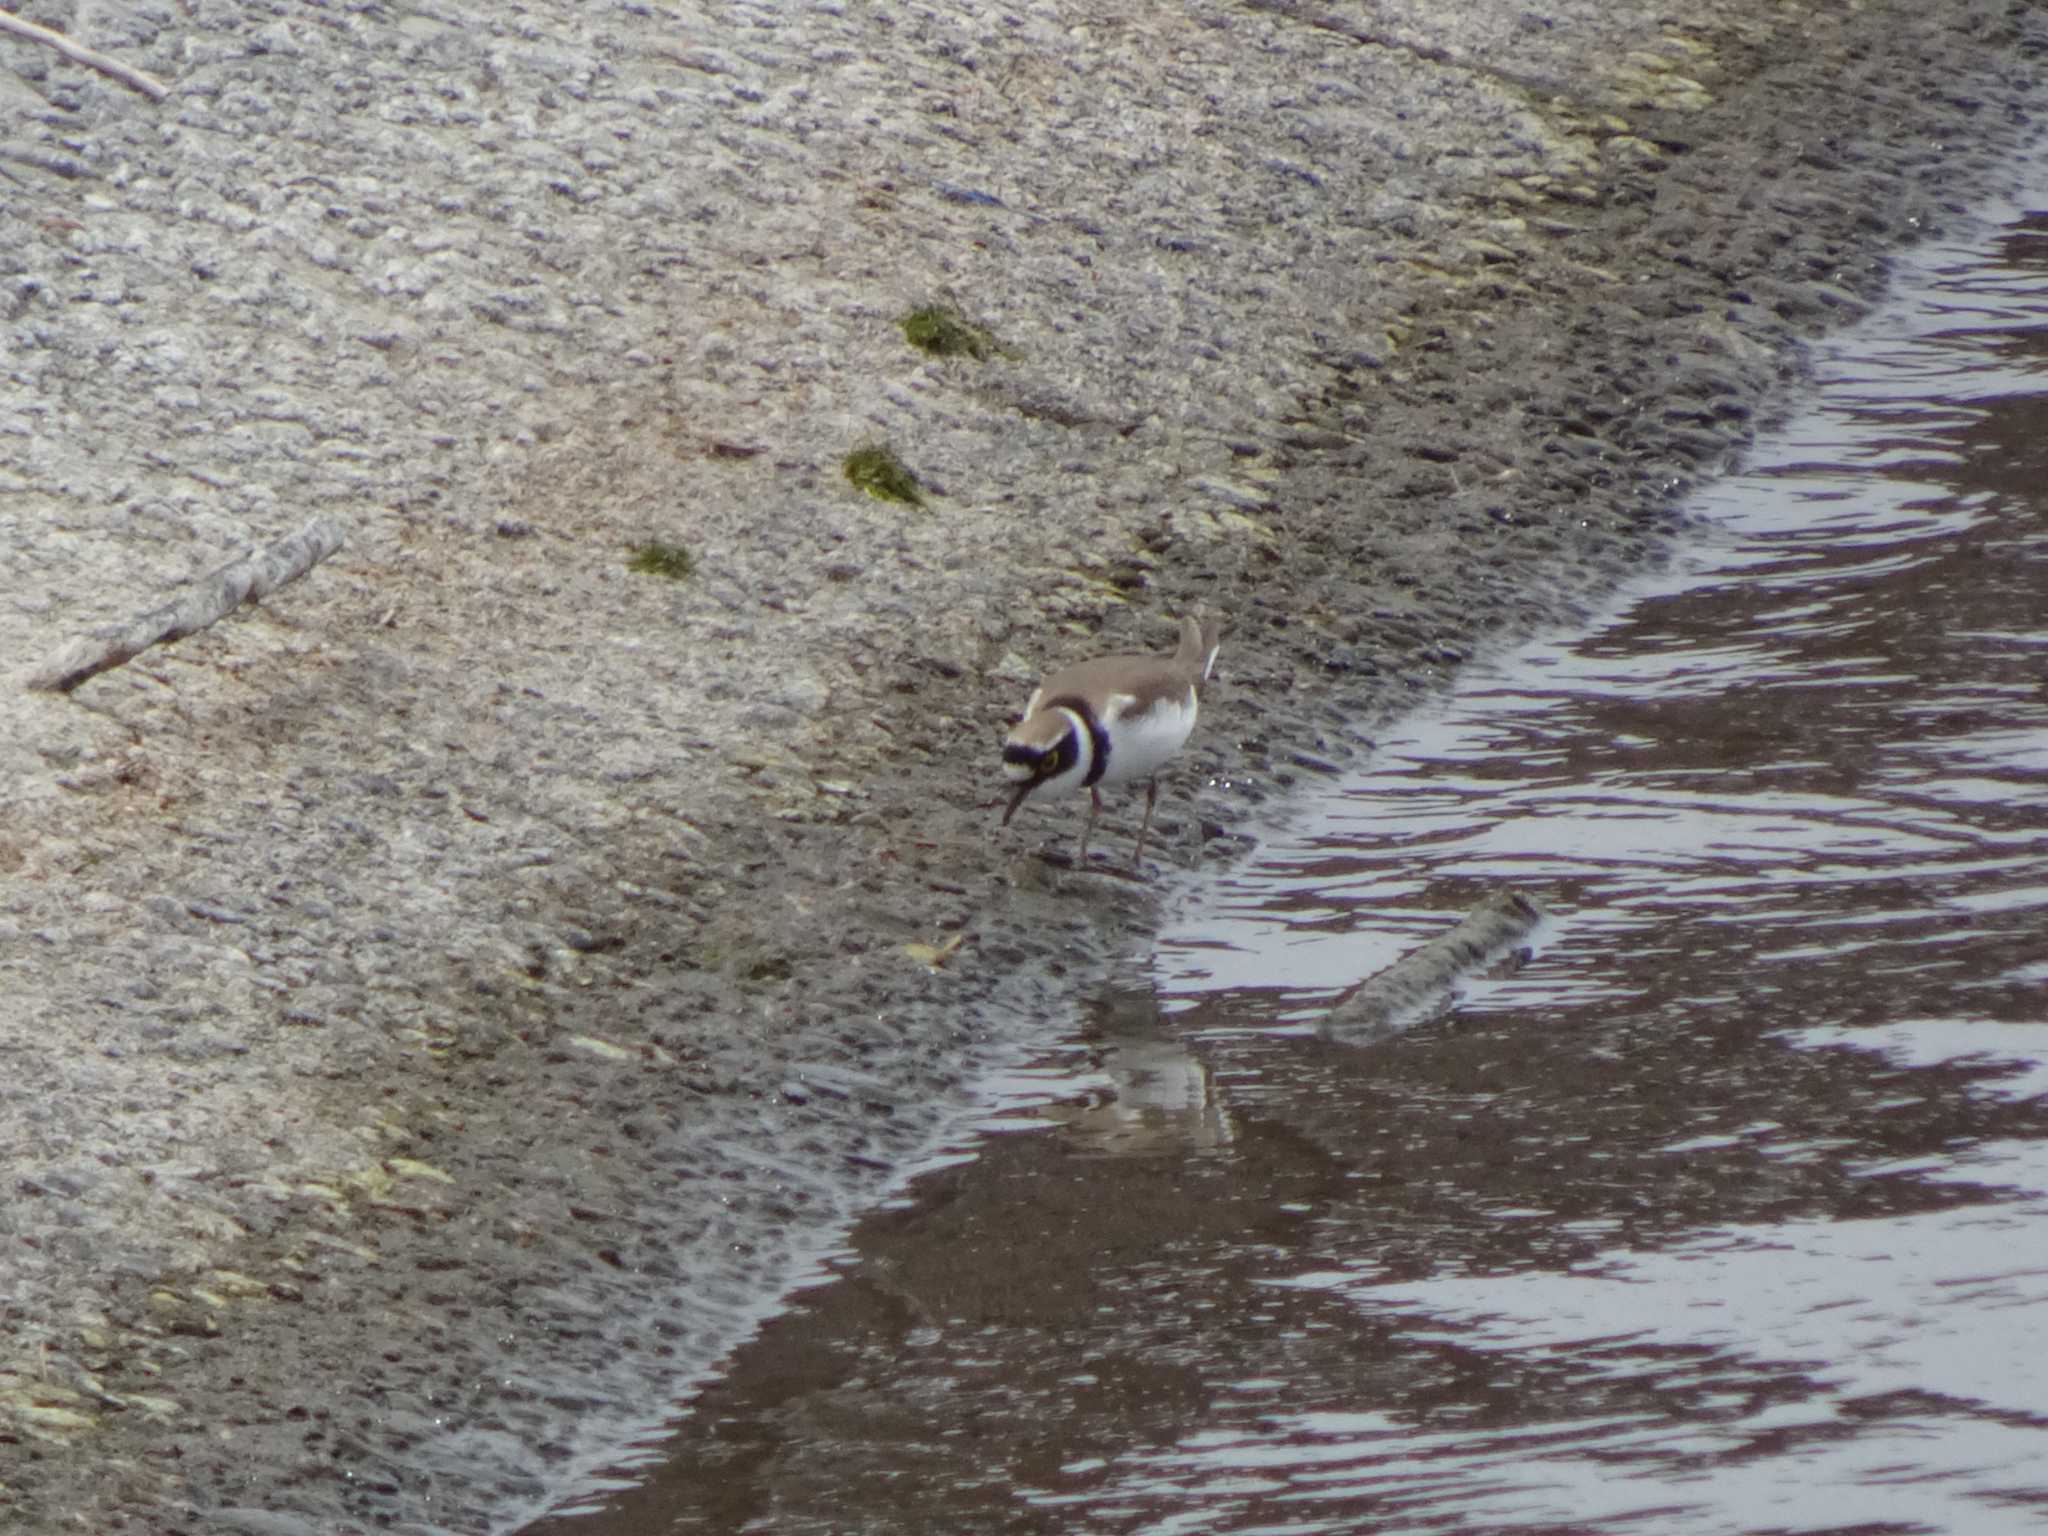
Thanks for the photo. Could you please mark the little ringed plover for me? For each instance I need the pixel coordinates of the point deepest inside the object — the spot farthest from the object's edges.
(1108, 721)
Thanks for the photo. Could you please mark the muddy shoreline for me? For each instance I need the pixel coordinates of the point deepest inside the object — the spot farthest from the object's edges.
(443, 1007)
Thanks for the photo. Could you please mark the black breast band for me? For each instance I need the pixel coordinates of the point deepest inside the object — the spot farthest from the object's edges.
(1098, 736)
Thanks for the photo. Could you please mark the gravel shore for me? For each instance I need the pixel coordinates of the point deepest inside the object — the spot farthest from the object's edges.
(443, 1005)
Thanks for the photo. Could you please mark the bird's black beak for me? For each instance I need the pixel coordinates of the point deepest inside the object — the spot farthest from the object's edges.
(1023, 790)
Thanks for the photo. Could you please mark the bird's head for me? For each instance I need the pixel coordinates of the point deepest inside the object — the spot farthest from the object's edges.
(1048, 750)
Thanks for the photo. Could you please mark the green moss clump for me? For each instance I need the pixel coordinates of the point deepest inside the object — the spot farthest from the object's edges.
(771, 968)
(945, 332)
(658, 557)
(876, 470)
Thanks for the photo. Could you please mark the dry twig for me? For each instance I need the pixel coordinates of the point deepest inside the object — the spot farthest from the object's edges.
(135, 79)
(213, 600)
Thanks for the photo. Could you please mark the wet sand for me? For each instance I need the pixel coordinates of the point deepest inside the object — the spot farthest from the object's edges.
(444, 1006)
(1710, 1194)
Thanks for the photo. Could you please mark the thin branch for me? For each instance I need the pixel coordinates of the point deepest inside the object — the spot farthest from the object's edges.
(1422, 980)
(214, 599)
(78, 53)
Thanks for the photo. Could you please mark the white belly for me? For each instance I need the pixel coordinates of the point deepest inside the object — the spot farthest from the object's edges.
(1140, 745)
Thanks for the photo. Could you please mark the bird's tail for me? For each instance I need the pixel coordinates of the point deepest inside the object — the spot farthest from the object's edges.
(1200, 639)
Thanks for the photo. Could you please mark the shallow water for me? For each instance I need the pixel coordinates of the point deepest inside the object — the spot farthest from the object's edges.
(1721, 1207)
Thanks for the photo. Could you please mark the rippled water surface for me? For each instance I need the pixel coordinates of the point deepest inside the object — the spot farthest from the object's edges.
(1722, 1208)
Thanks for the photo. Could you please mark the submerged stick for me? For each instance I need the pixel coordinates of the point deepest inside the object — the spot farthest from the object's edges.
(212, 600)
(135, 79)
(1423, 978)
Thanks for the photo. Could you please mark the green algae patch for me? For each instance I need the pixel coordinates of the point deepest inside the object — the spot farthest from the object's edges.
(876, 470)
(657, 557)
(945, 332)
